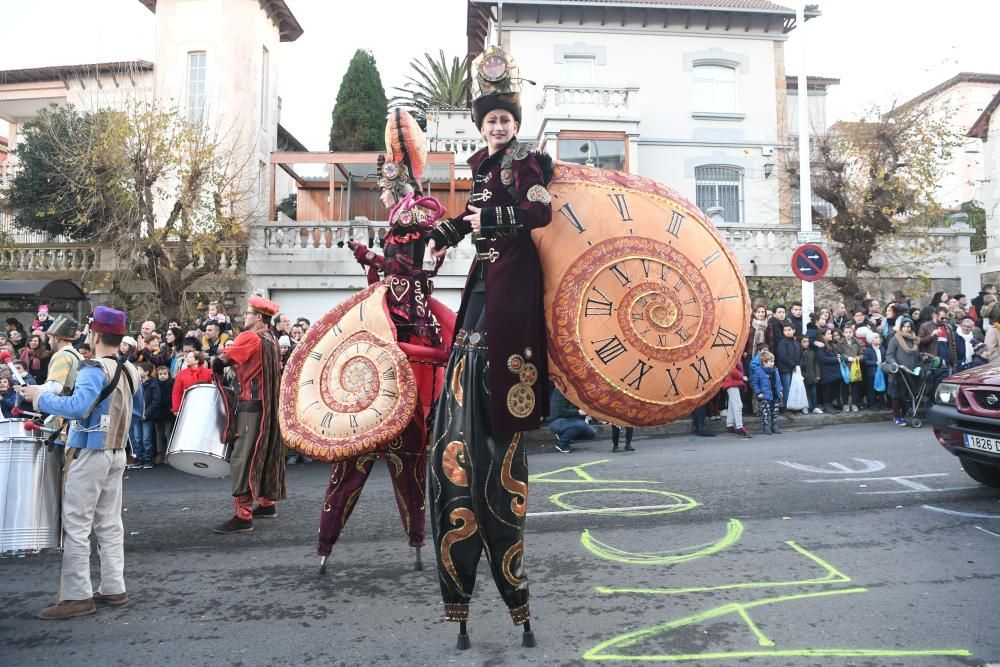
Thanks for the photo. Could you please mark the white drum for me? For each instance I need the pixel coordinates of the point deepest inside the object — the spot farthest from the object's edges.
(198, 445)
(30, 492)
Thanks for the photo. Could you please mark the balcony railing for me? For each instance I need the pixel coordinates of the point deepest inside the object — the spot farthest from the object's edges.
(80, 257)
(589, 100)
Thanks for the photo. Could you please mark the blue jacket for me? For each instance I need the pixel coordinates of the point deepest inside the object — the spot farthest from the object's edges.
(84, 432)
(7, 401)
(829, 364)
(869, 362)
(760, 381)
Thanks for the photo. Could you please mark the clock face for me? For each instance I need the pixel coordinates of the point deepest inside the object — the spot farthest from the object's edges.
(347, 388)
(646, 306)
(493, 68)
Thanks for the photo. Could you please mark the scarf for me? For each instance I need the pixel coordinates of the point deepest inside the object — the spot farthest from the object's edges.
(759, 327)
(969, 345)
(901, 338)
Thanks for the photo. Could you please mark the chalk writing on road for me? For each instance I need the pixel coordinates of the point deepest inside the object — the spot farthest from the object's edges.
(908, 482)
(613, 649)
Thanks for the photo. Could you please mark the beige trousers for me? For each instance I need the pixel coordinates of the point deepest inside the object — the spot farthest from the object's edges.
(92, 502)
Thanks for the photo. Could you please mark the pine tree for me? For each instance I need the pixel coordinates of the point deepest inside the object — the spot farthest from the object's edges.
(359, 115)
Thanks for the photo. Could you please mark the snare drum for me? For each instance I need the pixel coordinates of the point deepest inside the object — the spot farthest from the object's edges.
(30, 492)
(198, 445)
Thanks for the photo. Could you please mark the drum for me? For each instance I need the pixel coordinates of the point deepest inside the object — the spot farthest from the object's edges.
(30, 492)
(198, 444)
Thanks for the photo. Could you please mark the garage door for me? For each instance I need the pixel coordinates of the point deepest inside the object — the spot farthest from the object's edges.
(309, 303)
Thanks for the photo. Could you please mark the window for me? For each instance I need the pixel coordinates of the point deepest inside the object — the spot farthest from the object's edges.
(714, 89)
(607, 150)
(264, 71)
(578, 70)
(719, 186)
(824, 208)
(196, 85)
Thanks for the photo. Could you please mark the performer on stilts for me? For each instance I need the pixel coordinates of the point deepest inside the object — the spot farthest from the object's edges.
(257, 462)
(497, 377)
(418, 333)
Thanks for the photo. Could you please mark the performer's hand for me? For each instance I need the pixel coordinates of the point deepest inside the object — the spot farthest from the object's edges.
(433, 250)
(31, 392)
(474, 218)
(360, 251)
(218, 366)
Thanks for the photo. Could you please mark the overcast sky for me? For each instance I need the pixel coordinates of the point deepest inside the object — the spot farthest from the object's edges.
(879, 49)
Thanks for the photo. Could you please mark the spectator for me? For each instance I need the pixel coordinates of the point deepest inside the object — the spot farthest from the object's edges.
(616, 434)
(284, 349)
(977, 301)
(164, 424)
(939, 299)
(148, 348)
(568, 423)
(298, 332)
(903, 352)
(36, 358)
(984, 320)
(217, 315)
(788, 356)
(213, 340)
(965, 345)
(13, 324)
(849, 351)
(698, 426)
(282, 325)
(795, 317)
(195, 372)
(173, 350)
(829, 368)
(733, 385)
(23, 371)
(127, 348)
(304, 323)
(8, 398)
(86, 351)
(859, 318)
(144, 429)
(17, 340)
(936, 337)
(775, 326)
(871, 361)
(991, 351)
(767, 388)
(839, 317)
(809, 364)
(44, 321)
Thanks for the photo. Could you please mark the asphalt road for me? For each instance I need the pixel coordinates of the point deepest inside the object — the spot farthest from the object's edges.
(844, 545)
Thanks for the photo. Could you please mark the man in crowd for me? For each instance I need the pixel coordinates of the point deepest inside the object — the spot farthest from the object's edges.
(775, 328)
(795, 317)
(788, 356)
(105, 399)
(257, 461)
(568, 423)
(214, 339)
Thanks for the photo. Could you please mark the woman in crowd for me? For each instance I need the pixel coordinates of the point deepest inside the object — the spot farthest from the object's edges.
(902, 352)
(195, 372)
(829, 368)
(173, 350)
(36, 358)
(17, 340)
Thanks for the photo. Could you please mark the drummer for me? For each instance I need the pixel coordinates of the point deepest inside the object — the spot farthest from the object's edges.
(65, 359)
(257, 461)
(103, 401)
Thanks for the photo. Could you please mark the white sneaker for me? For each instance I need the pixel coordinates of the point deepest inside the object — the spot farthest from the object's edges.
(817, 411)
(805, 411)
(854, 408)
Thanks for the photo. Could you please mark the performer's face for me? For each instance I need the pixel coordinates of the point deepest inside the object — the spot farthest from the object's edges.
(498, 128)
(388, 199)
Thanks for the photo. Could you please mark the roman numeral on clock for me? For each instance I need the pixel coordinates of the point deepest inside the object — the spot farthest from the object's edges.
(567, 212)
(601, 306)
(337, 330)
(316, 355)
(621, 274)
(645, 266)
(354, 421)
(389, 374)
(327, 420)
(382, 358)
(674, 226)
(683, 334)
(634, 377)
(621, 206)
(672, 375)
(389, 393)
(711, 258)
(306, 383)
(724, 338)
(701, 369)
(610, 350)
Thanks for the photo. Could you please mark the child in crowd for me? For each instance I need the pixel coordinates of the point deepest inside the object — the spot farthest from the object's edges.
(766, 383)
(829, 368)
(873, 356)
(165, 420)
(22, 370)
(195, 372)
(8, 398)
(787, 357)
(144, 429)
(810, 374)
(850, 352)
(733, 385)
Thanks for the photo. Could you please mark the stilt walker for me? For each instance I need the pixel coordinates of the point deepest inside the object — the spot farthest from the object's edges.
(496, 378)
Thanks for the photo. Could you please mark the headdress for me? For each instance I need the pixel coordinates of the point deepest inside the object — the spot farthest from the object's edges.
(64, 327)
(108, 320)
(406, 152)
(495, 84)
(259, 304)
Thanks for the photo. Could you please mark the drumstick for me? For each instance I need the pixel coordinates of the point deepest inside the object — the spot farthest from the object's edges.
(17, 376)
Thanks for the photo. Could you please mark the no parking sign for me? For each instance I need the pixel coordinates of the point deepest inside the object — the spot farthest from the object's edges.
(809, 262)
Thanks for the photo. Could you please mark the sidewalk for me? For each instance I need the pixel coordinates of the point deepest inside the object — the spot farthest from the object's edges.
(793, 421)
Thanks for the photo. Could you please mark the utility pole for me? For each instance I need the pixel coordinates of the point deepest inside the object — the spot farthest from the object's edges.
(805, 180)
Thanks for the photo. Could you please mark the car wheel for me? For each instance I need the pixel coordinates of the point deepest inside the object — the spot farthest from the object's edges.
(981, 472)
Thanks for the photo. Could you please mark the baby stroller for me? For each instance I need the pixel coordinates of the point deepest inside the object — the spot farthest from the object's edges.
(914, 386)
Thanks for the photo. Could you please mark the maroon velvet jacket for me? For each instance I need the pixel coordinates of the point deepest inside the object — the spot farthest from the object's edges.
(509, 187)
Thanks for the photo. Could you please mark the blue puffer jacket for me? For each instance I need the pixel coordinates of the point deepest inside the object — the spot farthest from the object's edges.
(829, 364)
(760, 381)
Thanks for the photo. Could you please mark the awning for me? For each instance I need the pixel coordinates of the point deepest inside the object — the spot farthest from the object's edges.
(57, 290)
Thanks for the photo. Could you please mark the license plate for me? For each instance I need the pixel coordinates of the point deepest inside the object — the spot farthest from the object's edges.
(981, 443)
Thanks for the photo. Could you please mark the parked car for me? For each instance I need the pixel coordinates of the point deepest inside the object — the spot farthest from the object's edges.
(966, 420)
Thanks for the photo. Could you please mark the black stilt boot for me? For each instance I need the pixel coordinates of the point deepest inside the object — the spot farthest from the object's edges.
(463, 637)
(418, 565)
(528, 637)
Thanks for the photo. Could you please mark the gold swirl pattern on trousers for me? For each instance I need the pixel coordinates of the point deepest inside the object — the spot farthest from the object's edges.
(453, 463)
(456, 383)
(516, 551)
(519, 489)
(465, 520)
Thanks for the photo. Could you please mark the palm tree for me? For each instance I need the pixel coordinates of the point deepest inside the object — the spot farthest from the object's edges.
(435, 85)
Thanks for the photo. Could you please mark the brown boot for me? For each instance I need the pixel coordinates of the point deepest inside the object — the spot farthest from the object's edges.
(116, 599)
(235, 525)
(68, 609)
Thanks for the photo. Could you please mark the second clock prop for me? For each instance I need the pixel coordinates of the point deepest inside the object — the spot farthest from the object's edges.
(646, 306)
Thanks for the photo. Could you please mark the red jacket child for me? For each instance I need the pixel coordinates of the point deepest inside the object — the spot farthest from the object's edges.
(735, 378)
(186, 378)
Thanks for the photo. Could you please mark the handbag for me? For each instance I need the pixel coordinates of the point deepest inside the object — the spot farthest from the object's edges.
(855, 371)
(879, 382)
(797, 397)
(845, 372)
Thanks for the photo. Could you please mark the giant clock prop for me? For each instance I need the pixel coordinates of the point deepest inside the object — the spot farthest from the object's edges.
(645, 304)
(347, 388)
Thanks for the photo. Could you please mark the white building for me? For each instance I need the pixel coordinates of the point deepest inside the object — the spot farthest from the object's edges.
(986, 130)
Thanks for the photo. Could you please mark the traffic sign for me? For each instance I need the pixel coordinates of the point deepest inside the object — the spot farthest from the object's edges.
(809, 262)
